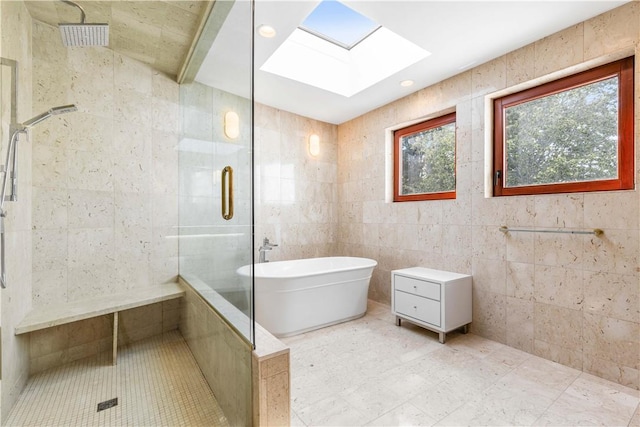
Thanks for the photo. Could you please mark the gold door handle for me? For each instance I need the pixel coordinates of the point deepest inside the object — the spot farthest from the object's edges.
(227, 193)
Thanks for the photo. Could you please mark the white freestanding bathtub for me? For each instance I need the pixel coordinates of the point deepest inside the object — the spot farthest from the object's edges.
(292, 297)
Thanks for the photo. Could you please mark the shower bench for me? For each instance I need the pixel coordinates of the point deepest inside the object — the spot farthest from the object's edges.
(60, 314)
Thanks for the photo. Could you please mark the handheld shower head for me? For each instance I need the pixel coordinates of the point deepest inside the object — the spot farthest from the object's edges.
(83, 34)
(52, 112)
(63, 109)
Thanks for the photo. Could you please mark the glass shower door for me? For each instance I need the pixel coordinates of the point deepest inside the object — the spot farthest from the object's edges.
(216, 149)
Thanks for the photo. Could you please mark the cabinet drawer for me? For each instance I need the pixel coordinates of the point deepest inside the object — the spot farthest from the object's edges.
(417, 287)
(419, 308)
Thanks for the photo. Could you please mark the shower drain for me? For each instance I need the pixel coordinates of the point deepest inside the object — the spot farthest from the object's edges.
(107, 404)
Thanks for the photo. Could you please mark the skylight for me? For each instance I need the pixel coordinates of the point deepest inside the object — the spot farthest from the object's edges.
(338, 24)
(351, 54)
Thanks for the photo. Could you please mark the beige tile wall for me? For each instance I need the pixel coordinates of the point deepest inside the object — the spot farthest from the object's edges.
(571, 299)
(16, 298)
(52, 347)
(105, 179)
(251, 385)
(271, 390)
(157, 33)
(223, 356)
(296, 198)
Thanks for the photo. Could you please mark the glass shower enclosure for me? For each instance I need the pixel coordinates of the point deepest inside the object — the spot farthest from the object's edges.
(216, 161)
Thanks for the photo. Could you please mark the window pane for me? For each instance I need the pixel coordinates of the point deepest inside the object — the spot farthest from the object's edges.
(339, 24)
(428, 161)
(571, 136)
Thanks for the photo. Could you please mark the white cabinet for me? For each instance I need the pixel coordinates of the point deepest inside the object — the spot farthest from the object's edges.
(436, 300)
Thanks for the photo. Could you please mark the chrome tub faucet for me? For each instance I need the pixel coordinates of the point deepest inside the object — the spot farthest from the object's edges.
(266, 246)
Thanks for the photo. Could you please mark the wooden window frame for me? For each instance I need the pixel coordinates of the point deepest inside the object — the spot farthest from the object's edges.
(624, 69)
(397, 156)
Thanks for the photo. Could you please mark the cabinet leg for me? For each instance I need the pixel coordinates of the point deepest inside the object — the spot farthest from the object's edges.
(442, 337)
(465, 329)
(398, 321)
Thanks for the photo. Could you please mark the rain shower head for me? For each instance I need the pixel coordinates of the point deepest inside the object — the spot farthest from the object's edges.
(52, 112)
(83, 34)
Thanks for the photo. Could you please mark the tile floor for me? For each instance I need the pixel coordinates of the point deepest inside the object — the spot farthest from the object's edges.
(370, 372)
(157, 382)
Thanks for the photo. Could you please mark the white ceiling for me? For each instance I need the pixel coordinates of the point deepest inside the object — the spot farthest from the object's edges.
(459, 34)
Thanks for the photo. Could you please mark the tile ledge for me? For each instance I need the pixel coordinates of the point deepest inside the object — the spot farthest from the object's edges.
(267, 345)
(42, 318)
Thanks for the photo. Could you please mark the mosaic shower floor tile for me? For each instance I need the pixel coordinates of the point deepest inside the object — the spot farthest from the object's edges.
(156, 382)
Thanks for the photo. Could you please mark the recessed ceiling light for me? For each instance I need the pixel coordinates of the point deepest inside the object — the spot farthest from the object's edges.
(266, 31)
(406, 83)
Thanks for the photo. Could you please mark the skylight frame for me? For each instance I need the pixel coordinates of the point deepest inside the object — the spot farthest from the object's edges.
(335, 22)
(341, 51)
(337, 42)
(311, 60)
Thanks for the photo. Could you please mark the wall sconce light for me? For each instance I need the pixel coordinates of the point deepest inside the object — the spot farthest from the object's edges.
(267, 31)
(231, 125)
(314, 145)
